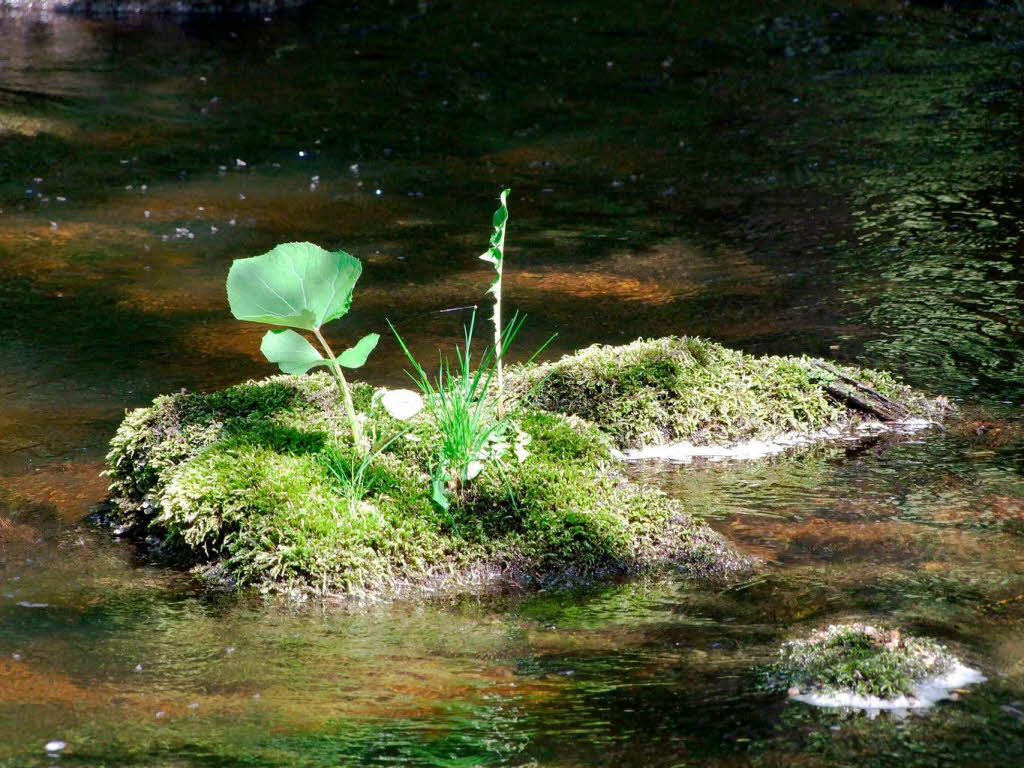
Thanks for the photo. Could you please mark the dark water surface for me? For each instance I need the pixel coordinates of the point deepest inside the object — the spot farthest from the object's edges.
(842, 180)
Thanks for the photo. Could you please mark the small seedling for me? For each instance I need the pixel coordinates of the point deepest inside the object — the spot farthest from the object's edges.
(301, 285)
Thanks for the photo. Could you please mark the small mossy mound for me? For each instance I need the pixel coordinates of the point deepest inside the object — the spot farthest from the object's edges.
(661, 391)
(862, 660)
(239, 484)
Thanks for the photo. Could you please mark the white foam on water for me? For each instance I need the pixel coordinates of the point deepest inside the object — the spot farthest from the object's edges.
(925, 694)
(685, 452)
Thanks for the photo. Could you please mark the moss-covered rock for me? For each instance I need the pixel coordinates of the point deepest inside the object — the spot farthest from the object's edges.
(240, 483)
(860, 660)
(661, 391)
(251, 480)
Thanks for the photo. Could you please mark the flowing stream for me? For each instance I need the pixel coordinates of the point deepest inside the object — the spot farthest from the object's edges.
(841, 179)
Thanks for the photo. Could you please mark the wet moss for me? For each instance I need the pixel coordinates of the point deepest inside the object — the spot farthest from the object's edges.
(659, 391)
(238, 482)
(861, 659)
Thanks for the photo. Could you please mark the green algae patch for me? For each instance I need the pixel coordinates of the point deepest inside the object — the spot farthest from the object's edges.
(860, 660)
(660, 391)
(238, 484)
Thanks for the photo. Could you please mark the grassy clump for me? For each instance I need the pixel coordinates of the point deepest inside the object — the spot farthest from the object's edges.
(659, 391)
(242, 480)
(860, 659)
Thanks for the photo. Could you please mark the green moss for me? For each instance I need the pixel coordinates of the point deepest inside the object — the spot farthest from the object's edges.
(658, 391)
(861, 659)
(238, 482)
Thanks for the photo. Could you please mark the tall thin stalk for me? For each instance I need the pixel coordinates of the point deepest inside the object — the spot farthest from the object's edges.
(495, 254)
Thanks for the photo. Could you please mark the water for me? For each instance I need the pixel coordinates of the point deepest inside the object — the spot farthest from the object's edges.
(842, 180)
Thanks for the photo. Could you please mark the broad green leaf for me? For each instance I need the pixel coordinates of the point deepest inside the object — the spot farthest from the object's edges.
(291, 351)
(356, 356)
(300, 285)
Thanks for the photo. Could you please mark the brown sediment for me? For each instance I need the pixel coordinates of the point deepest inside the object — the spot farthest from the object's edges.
(70, 489)
(873, 539)
(21, 683)
(15, 533)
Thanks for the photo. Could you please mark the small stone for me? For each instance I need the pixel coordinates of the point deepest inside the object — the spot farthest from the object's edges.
(401, 404)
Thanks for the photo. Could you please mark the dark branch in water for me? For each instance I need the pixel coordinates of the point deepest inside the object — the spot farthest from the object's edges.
(858, 395)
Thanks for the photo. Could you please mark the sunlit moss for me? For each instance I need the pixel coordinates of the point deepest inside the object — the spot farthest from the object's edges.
(238, 480)
(657, 391)
(861, 659)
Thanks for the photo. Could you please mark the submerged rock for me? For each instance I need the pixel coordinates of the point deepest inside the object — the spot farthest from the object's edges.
(860, 666)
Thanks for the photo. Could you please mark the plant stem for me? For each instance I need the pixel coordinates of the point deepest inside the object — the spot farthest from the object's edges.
(498, 351)
(346, 395)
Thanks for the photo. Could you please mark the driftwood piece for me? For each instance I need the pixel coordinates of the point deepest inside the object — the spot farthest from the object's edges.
(863, 398)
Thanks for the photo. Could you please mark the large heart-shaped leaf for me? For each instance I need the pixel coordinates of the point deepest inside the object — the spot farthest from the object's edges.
(356, 356)
(300, 285)
(291, 351)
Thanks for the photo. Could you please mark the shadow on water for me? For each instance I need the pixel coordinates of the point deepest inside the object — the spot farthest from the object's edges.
(836, 179)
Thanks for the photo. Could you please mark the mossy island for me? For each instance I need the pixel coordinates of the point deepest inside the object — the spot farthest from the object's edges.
(243, 484)
(861, 666)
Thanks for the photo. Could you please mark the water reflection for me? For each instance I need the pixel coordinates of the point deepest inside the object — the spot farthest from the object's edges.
(840, 180)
